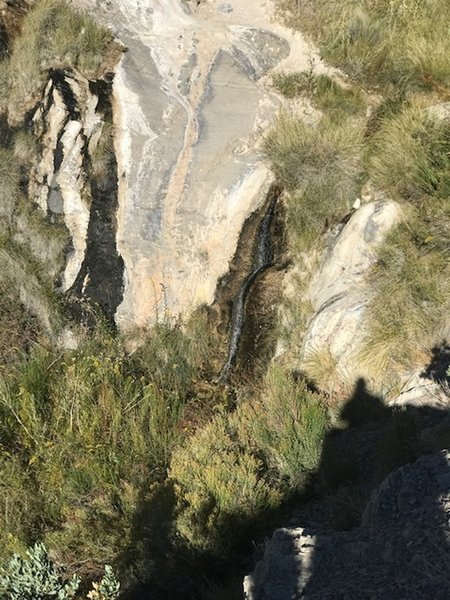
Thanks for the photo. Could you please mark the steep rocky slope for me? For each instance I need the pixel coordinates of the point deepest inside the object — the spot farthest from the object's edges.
(189, 110)
(401, 550)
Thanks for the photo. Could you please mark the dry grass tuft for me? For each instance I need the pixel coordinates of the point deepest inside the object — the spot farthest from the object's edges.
(54, 36)
(320, 167)
(409, 312)
(324, 92)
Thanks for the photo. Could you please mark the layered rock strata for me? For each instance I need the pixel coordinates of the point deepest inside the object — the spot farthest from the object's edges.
(190, 109)
(75, 181)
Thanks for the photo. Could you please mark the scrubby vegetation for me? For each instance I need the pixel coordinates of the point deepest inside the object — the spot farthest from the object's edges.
(397, 50)
(31, 257)
(139, 458)
(53, 36)
(85, 433)
(86, 429)
(246, 462)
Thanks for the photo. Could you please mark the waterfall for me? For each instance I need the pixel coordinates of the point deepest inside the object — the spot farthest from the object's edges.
(262, 260)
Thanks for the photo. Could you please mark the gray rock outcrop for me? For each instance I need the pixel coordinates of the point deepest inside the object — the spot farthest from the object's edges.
(190, 108)
(400, 551)
(339, 291)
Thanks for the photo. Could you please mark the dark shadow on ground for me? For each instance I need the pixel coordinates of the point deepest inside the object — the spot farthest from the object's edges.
(158, 566)
(437, 370)
(369, 441)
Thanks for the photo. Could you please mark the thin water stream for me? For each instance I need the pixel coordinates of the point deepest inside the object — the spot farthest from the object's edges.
(262, 260)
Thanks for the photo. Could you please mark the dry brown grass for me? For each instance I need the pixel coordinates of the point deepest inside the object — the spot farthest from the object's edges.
(53, 36)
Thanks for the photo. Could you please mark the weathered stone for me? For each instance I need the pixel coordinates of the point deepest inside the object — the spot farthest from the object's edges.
(189, 114)
(399, 551)
(58, 180)
(420, 390)
(339, 290)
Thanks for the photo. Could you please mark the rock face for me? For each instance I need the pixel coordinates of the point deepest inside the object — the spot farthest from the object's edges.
(401, 550)
(339, 291)
(75, 181)
(189, 112)
(65, 122)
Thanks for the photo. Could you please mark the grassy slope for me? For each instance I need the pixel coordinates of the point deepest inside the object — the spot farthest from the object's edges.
(53, 36)
(89, 437)
(400, 51)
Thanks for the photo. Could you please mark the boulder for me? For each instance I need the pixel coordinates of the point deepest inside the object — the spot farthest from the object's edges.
(339, 290)
(401, 549)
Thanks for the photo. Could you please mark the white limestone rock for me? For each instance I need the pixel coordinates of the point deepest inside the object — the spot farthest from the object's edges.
(339, 291)
(58, 182)
(190, 108)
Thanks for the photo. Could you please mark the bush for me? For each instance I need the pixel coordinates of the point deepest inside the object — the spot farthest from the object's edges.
(220, 484)
(287, 424)
(37, 578)
(241, 465)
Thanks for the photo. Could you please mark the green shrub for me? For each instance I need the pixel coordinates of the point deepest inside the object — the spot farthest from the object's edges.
(37, 578)
(87, 429)
(107, 588)
(241, 465)
(287, 425)
(220, 484)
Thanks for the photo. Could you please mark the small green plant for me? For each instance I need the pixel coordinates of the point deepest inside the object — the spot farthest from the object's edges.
(35, 578)
(107, 588)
